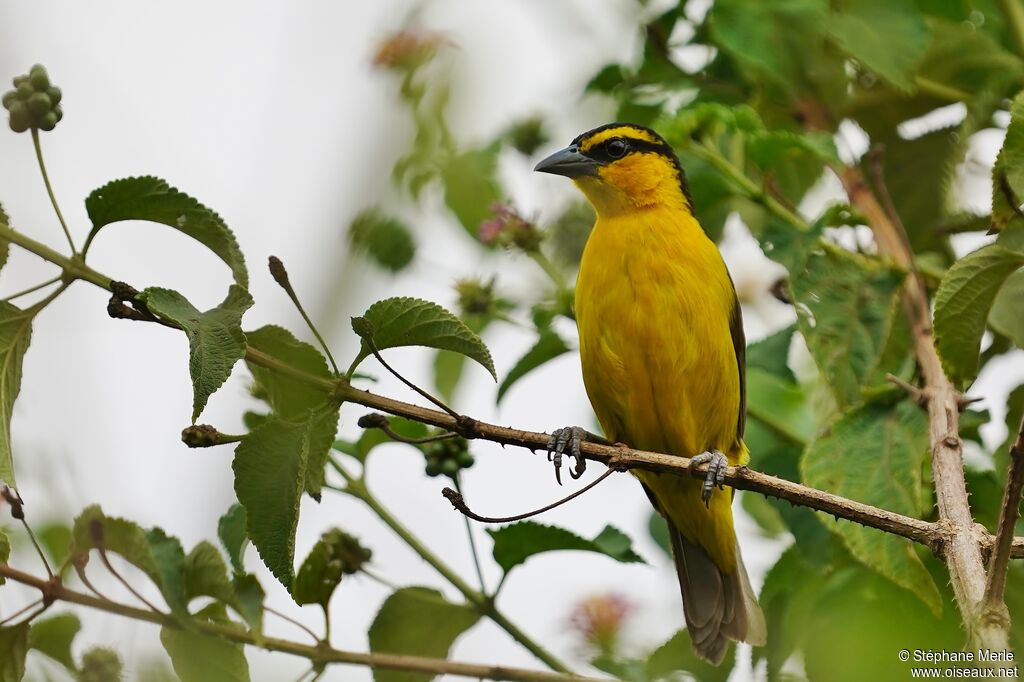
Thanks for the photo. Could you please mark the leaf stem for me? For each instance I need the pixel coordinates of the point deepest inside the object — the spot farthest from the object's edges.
(357, 488)
(472, 540)
(49, 189)
(280, 275)
(33, 288)
(550, 269)
(1013, 11)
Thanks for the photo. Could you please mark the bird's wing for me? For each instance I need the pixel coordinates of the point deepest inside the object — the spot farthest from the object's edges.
(739, 345)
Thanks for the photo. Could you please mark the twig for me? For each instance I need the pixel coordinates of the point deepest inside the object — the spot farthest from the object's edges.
(459, 503)
(417, 389)
(320, 653)
(280, 275)
(379, 421)
(469, 536)
(33, 288)
(27, 607)
(49, 189)
(285, 617)
(13, 498)
(120, 578)
(1008, 514)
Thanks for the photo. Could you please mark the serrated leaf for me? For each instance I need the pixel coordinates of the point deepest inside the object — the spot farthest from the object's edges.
(5, 246)
(152, 199)
(848, 307)
(215, 337)
(772, 353)
(677, 654)
(231, 531)
(470, 187)
(771, 148)
(15, 335)
(783, 406)
(398, 628)
(386, 240)
(404, 321)
(962, 306)
(13, 649)
(202, 658)
(889, 37)
(515, 543)
(53, 637)
(549, 346)
(1008, 171)
(790, 591)
(874, 454)
(153, 552)
(270, 468)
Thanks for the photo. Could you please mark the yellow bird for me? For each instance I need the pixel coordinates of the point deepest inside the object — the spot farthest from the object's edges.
(663, 353)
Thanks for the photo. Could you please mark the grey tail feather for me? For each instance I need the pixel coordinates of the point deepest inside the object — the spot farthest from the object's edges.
(717, 607)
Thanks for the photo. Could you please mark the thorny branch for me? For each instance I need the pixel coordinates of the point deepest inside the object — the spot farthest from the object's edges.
(1009, 512)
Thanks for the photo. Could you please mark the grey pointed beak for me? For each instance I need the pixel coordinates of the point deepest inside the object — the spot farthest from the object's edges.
(568, 162)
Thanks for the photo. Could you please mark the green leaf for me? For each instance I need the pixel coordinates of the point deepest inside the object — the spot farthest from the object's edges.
(791, 589)
(889, 37)
(296, 400)
(215, 337)
(386, 240)
(396, 322)
(231, 531)
(515, 543)
(849, 303)
(962, 306)
(772, 353)
(55, 537)
(875, 454)
(270, 474)
(1008, 171)
(288, 397)
(5, 551)
(13, 649)
(54, 636)
(153, 552)
(5, 246)
(548, 347)
(783, 406)
(771, 148)
(321, 572)
(371, 438)
(470, 187)
(202, 658)
(754, 34)
(399, 628)
(448, 366)
(1007, 316)
(677, 654)
(206, 574)
(249, 596)
(15, 334)
(152, 199)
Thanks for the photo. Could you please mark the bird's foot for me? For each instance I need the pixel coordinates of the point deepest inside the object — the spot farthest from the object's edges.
(717, 464)
(571, 437)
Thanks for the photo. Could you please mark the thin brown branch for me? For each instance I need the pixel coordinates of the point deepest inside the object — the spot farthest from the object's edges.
(320, 653)
(995, 607)
(963, 553)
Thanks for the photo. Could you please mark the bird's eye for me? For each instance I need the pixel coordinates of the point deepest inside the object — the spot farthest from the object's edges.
(616, 148)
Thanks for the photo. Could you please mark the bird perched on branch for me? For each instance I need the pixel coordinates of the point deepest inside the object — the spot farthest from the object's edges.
(663, 352)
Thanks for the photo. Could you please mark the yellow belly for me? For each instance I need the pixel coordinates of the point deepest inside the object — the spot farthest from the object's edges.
(653, 304)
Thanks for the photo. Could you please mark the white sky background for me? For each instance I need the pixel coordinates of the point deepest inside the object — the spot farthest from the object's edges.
(271, 114)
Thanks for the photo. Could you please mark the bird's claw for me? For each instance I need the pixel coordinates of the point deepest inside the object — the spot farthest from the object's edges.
(570, 436)
(717, 464)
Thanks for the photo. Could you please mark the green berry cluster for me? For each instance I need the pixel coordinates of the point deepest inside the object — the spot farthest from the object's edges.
(346, 550)
(447, 456)
(100, 665)
(34, 102)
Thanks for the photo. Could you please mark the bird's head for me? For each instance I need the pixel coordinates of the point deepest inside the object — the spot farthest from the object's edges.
(622, 167)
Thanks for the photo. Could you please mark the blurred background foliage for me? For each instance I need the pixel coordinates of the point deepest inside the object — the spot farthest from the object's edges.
(768, 100)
